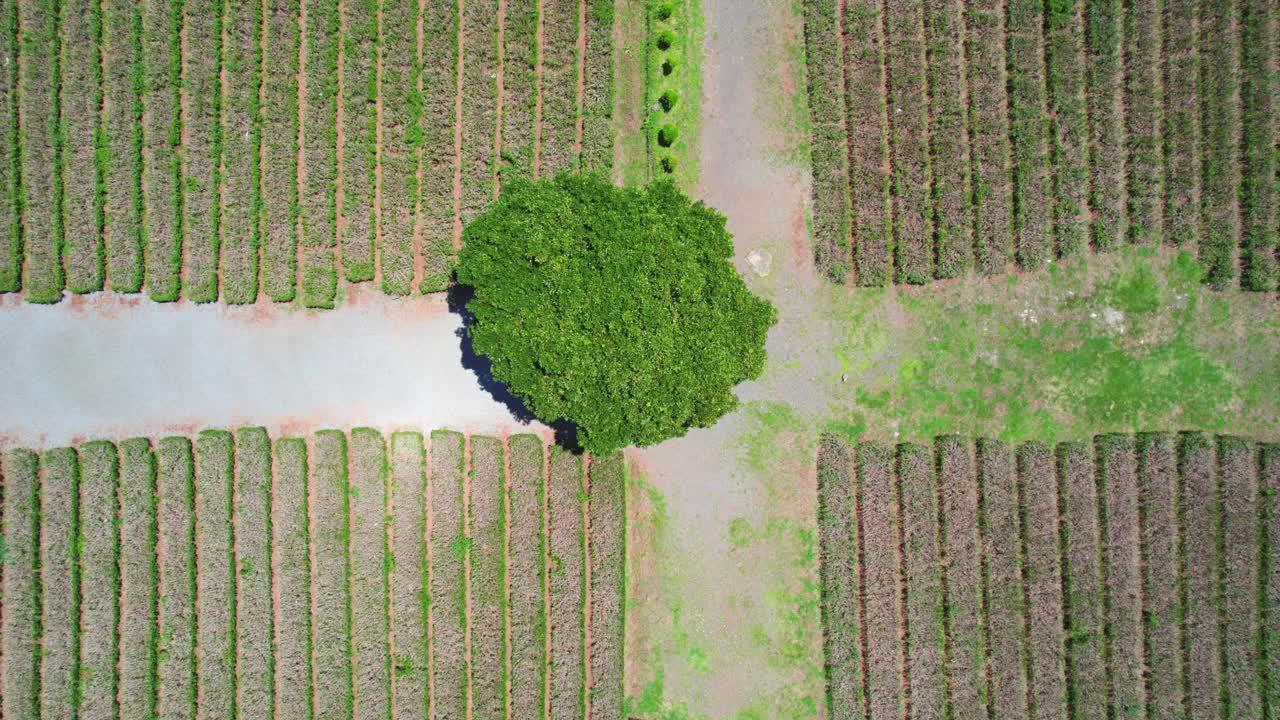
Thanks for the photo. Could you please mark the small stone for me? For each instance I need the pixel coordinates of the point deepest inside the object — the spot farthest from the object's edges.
(760, 261)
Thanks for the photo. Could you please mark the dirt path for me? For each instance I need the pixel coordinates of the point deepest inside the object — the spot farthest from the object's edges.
(738, 524)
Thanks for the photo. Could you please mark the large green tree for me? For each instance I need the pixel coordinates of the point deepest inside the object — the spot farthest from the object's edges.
(616, 309)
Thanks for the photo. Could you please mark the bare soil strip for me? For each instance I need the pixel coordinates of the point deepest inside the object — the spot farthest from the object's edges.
(566, 545)
(291, 580)
(925, 599)
(21, 667)
(447, 577)
(1238, 476)
(1004, 581)
(81, 109)
(1200, 528)
(488, 571)
(1181, 126)
(909, 124)
(215, 574)
(966, 651)
(608, 559)
(59, 584)
(581, 66)
(1082, 584)
(138, 581)
(255, 670)
(527, 573)
(882, 583)
(1162, 610)
(467, 626)
(841, 593)
(1269, 493)
(370, 623)
(400, 107)
(946, 34)
(540, 43)
(99, 581)
(1122, 574)
(500, 84)
(331, 619)
(868, 141)
(177, 670)
(1146, 145)
(989, 133)
(409, 599)
(1045, 639)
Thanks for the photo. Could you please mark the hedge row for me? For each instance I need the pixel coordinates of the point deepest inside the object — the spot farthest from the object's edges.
(241, 133)
(596, 104)
(448, 586)
(215, 573)
(868, 142)
(10, 168)
(560, 66)
(402, 107)
(201, 153)
(369, 576)
(39, 119)
(280, 190)
(362, 44)
(907, 88)
(1064, 40)
(1028, 133)
(162, 135)
(84, 163)
(1145, 116)
(1220, 139)
(318, 175)
(949, 140)
(330, 577)
(829, 140)
(439, 52)
(479, 106)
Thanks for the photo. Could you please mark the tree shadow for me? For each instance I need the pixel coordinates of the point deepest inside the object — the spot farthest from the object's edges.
(566, 433)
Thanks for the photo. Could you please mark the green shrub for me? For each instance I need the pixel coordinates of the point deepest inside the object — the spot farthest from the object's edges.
(668, 100)
(669, 164)
(615, 309)
(664, 10)
(668, 67)
(668, 135)
(665, 39)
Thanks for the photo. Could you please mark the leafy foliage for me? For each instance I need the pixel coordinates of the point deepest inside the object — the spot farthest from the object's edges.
(615, 309)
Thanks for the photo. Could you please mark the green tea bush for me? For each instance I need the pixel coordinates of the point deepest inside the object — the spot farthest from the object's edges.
(668, 99)
(668, 135)
(615, 309)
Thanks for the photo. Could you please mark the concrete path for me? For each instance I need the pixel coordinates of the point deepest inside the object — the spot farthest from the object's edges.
(115, 367)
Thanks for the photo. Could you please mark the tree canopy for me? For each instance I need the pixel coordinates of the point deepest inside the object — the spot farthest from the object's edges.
(615, 309)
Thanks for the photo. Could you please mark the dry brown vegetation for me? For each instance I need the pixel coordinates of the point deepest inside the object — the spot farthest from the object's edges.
(1113, 578)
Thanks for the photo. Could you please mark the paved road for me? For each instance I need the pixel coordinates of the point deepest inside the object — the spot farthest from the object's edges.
(116, 368)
